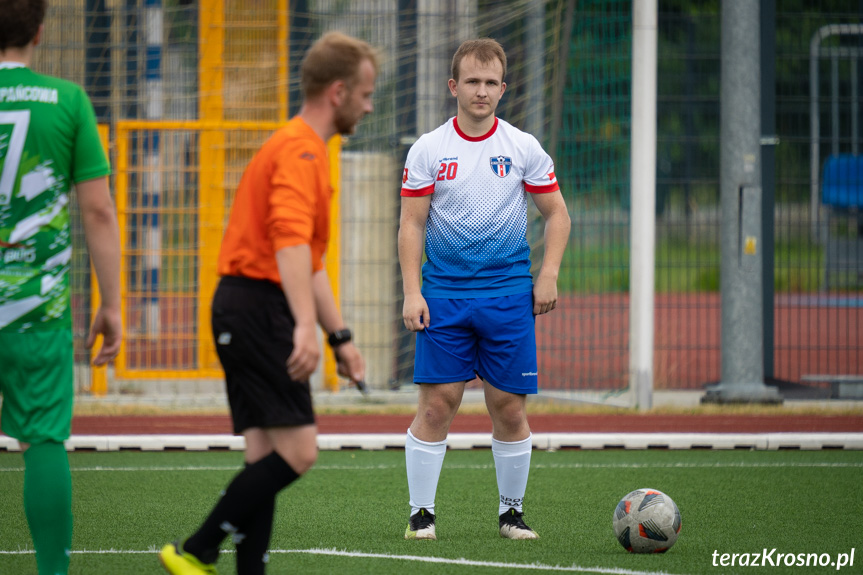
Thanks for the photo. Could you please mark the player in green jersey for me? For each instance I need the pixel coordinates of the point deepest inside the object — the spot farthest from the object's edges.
(49, 145)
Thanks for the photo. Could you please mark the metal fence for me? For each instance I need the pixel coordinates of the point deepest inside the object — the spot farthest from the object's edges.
(569, 84)
(812, 325)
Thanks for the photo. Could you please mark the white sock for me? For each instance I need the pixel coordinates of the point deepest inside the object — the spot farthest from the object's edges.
(424, 461)
(512, 464)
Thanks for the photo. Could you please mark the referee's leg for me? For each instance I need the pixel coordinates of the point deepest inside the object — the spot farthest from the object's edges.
(298, 447)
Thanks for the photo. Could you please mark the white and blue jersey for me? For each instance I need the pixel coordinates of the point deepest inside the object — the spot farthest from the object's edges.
(476, 242)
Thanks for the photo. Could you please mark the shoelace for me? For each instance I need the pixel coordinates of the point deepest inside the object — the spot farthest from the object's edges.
(424, 520)
(514, 518)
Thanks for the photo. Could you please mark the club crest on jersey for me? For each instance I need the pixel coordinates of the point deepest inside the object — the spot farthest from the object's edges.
(501, 165)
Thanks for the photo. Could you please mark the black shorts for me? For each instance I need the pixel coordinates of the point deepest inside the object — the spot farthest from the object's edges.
(253, 330)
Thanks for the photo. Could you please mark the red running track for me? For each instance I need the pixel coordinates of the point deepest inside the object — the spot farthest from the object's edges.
(481, 423)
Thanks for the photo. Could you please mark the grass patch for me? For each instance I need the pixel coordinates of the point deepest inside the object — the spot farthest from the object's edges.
(108, 408)
(683, 267)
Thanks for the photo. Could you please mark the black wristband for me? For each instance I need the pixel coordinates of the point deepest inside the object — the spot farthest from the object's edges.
(339, 337)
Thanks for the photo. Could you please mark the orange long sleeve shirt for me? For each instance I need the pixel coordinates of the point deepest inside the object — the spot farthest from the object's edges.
(283, 200)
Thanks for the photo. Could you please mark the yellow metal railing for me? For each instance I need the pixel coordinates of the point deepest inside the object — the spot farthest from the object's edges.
(199, 166)
(333, 255)
(98, 374)
(181, 175)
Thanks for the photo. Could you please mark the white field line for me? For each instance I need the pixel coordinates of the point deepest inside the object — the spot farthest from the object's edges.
(412, 558)
(720, 465)
(540, 441)
(472, 563)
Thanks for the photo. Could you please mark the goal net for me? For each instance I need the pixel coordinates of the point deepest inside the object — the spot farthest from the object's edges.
(188, 90)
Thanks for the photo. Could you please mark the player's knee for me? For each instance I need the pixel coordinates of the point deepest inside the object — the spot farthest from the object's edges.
(305, 459)
(301, 458)
(510, 419)
(438, 413)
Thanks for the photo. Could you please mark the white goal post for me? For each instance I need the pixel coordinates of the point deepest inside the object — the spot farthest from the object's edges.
(643, 198)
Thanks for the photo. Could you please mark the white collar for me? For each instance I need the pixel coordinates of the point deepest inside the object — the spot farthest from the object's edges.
(10, 65)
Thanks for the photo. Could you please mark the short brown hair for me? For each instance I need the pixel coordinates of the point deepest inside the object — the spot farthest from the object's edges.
(485, 50)
(334, 56)
(20, 21)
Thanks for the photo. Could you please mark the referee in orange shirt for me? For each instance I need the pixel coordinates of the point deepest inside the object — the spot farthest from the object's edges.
(272, 292)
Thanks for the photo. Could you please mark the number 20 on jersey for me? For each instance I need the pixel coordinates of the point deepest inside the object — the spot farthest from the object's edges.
(447, 171)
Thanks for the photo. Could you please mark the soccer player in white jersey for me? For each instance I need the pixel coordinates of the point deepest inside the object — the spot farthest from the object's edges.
(464, 201)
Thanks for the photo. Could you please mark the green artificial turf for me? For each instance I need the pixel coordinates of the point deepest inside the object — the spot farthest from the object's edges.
(351, 509)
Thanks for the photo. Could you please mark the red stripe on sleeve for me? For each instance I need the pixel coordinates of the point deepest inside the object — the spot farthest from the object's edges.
(409, 193)
(546, 189)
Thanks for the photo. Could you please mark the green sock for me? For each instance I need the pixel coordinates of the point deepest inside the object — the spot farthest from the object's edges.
(48, 505)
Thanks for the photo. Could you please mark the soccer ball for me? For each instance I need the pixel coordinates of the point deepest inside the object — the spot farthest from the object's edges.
(646, 521)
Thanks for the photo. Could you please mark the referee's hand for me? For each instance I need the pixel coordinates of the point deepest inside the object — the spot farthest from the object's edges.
(304, 359)
(350, 362)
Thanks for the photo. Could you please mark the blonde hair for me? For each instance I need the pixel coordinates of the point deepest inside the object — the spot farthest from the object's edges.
(485, 50)
(334, 56)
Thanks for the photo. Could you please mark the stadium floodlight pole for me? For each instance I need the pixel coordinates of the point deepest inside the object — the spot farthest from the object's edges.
(741, 247)
(643, 202)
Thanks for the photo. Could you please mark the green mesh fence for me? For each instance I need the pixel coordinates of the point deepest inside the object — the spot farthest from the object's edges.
(570, 85)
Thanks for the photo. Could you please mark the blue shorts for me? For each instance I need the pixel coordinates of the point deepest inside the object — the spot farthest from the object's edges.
(494, 338)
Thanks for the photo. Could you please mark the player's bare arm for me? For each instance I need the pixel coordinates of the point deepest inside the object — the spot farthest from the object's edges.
(295, 271)
(349, 361)
(557, 226)
(102, 234)
(412, 225)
